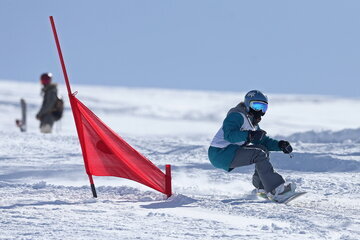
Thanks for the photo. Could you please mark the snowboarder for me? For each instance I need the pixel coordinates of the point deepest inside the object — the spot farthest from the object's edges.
(48, 113)
(240, 142)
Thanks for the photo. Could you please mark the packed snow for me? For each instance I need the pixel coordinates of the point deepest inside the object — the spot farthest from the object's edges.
(45, 192)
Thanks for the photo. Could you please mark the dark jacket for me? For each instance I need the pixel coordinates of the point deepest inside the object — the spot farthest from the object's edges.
(50, 97)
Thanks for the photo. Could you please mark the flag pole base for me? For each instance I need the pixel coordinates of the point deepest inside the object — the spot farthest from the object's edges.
(93, 190)
(92, 185)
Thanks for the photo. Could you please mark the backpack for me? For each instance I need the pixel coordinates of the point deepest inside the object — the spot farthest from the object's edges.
(58, 108)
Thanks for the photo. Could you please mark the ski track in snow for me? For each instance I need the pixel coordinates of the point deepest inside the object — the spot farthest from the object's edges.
(45, 192)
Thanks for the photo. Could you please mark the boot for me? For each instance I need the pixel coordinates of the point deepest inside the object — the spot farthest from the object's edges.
(283, 191)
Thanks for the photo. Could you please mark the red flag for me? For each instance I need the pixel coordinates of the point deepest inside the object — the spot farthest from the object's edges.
(105, 153)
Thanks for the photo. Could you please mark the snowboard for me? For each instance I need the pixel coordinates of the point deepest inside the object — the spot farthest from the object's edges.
(290, 198)
(21, 123)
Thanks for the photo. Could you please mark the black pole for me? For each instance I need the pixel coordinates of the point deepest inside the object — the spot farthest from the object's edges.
(92, 185)
(93, 190)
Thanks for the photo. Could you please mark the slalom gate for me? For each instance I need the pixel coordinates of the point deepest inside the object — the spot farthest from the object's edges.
(105, 153)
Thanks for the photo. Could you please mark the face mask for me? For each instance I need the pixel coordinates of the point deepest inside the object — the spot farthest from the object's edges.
(256, 116)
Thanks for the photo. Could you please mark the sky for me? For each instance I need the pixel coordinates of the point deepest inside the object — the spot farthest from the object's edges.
(293, 47)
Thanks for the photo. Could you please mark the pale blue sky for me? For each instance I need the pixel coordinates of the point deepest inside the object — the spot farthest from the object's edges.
(309, 47)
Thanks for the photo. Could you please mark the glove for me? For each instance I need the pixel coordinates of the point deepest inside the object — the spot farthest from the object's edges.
(257, 135)
(285, 146)
(37, 116)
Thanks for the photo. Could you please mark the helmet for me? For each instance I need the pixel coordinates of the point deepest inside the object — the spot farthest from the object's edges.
(46, 78)
(256, 101)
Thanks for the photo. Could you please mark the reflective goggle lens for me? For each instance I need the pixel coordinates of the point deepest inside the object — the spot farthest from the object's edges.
(259, 106)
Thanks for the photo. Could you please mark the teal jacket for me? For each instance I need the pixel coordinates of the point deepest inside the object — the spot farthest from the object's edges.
(221, 157)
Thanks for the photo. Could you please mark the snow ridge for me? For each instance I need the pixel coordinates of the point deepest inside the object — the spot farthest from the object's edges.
(342, 136)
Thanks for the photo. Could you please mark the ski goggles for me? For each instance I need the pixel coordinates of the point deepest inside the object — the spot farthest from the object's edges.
(259, 106)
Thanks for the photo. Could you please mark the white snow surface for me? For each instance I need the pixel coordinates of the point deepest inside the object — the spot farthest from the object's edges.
(45, 192)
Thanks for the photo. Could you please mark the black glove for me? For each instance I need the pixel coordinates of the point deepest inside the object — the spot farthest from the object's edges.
(257, 135)
(285, 146)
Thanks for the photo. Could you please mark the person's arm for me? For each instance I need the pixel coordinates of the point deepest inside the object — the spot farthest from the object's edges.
(231, 128)
(274, 145)
(270, 143)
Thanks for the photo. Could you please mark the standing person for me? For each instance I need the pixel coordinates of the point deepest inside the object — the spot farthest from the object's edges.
(49, 93)
(240, 142)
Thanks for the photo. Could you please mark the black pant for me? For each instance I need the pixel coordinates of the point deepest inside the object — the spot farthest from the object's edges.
(264, 177)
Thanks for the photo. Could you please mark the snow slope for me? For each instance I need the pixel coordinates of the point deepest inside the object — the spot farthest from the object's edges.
(45, 194)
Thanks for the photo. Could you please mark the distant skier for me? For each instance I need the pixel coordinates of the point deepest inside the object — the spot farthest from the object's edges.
(52, 107)
(241, 142)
